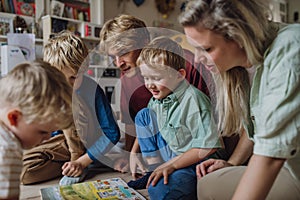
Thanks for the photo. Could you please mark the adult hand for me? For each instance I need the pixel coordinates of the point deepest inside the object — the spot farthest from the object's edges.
(121, 165)
(72, 169)
(159, 172)
(209, 166)
(136, 163)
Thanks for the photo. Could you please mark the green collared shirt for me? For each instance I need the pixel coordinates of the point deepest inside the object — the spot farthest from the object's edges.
(185, 119)
(275, 100)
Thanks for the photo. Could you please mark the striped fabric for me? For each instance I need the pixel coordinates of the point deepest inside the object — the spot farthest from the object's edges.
(10, 164)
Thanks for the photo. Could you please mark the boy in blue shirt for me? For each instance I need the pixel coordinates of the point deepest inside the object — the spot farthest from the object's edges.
(93, 117)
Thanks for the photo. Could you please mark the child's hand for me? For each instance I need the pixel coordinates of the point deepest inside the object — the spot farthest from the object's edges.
(121, 165)
(136, 163)
(159, 172)
(72, 169)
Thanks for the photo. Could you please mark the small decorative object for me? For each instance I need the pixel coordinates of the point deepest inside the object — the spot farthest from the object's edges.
(35, 28)
(57, 8)
(183, 5)
(27, 9)
(138, 2)
(20, 25)
(165, 7)
(24, 8)
(6, 25)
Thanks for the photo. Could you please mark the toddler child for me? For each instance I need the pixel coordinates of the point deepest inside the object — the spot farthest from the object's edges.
(31, 95)
(177, 128)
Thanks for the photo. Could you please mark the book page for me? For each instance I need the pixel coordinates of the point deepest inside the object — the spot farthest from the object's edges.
(107, 189)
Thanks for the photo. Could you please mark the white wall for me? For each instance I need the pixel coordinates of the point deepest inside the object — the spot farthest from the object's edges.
(147, 12)
(293, 6)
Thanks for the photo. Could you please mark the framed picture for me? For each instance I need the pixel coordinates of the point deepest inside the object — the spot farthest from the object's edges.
(24, 8)
(57, 8)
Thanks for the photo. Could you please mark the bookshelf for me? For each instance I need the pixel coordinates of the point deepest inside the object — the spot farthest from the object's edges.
(6, 25)
(87, 30)
(54, 24)
(18, 7)
(88, 27)
(96, 10)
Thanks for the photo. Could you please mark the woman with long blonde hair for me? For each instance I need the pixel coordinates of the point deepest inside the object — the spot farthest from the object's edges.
(256, 66)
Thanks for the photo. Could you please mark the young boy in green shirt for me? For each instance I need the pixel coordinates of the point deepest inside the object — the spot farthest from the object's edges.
(177, 129)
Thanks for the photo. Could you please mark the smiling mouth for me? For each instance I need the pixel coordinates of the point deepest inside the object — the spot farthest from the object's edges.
(125, 69)
(154, 92)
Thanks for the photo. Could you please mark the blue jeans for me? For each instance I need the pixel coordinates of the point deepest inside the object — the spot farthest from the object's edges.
(182, 183)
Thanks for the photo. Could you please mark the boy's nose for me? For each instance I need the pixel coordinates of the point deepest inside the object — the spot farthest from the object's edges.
(150, 84)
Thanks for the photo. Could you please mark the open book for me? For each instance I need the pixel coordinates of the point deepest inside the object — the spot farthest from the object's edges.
(113, 188)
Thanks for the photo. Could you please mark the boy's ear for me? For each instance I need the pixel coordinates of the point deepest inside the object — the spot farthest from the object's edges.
(13, 117)
(181, 73)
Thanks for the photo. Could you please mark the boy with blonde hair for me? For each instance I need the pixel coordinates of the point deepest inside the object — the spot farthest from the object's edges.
(31, 95)
(93, 117)
(177, 129)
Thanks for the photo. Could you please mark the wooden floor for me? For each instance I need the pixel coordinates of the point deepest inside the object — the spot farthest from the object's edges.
(32, 192)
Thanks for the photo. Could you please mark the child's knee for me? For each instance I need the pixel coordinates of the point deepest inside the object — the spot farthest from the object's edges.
(143, 117)
(156, 192)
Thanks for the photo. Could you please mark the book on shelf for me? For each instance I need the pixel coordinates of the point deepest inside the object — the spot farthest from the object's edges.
(108, 189)
(78, 12)
(6, 6)
(19, 7)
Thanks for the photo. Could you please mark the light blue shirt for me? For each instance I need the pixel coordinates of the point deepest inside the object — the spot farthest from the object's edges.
(275, 100)
(185, 119)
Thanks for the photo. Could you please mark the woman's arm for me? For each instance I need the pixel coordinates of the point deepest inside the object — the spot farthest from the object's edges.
(241, 154)
(243, 150)
(258, 178)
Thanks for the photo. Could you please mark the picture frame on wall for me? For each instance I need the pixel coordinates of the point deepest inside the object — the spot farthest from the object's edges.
(57, 8)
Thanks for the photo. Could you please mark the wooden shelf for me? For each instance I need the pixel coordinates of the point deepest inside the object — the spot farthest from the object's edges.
(4, 38)
(9, 17)
(88, 31)
(78, 2)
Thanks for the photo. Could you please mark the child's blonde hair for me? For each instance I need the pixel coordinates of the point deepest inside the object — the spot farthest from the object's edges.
(162, 51)
(66, 50)
(40, 91)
